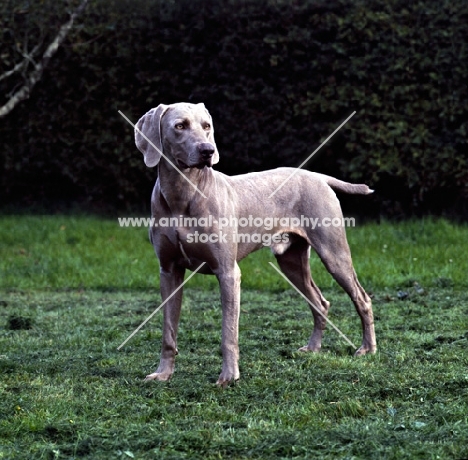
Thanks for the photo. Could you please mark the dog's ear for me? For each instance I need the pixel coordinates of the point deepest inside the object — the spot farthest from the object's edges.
(148, 135)
(211, 136)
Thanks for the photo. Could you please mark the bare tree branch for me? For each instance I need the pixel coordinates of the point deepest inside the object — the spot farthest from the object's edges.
(24, 92)
(27, 58)
(15, 69)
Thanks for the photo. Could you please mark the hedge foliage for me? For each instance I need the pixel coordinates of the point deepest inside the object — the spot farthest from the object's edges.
(277, 76)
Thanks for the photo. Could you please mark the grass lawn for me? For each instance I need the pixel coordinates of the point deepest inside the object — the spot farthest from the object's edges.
(73, 288)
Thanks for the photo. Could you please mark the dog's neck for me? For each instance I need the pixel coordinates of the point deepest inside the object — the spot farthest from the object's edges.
(178, 192)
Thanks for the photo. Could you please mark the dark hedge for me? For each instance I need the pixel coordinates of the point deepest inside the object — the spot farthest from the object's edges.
(277, 76)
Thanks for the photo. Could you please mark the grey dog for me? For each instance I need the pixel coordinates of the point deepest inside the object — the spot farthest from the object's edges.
(183, 134)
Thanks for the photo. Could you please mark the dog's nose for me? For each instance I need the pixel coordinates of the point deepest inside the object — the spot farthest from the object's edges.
(206, 150)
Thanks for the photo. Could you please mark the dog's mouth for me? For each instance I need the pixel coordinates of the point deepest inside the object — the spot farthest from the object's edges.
(182, 165)
(200, 165)
(204, 163)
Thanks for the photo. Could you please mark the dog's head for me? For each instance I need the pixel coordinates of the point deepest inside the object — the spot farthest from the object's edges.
(181, 132)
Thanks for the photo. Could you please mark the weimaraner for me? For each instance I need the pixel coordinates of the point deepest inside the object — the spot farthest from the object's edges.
(183, 133)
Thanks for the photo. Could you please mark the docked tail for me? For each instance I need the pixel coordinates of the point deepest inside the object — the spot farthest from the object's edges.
(346, 187)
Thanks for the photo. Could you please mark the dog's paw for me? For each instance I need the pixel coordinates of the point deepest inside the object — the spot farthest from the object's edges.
(161, 376)
(365, 349)
(307, 349)
(226, 378)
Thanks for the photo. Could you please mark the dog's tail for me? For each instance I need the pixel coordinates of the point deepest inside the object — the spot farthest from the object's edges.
(346, 187)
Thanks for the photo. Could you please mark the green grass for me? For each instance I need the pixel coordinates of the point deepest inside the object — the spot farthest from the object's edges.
(71, 252)
(73, 288)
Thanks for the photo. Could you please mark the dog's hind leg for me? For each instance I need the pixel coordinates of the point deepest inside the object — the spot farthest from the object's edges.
(294, 263)
(332, 247)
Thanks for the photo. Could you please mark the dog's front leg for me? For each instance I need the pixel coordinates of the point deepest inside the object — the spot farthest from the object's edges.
(170, 280)
(229, 283)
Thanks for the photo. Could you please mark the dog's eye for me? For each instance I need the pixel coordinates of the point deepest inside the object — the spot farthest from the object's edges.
(179, 126)
(206, 126)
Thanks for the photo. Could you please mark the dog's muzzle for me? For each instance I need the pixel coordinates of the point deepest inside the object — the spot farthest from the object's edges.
(206, 152)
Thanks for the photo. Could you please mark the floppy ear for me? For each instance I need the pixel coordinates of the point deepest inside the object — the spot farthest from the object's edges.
(148, 129)
(211, 136)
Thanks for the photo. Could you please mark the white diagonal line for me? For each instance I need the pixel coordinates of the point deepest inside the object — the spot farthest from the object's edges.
(312, 154)
(167, 159)
(159, 308)
(313, 306)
